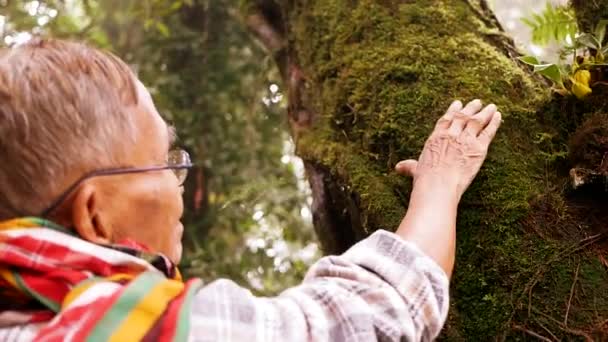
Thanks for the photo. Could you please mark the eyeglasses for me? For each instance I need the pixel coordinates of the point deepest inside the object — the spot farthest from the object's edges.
(178, 161)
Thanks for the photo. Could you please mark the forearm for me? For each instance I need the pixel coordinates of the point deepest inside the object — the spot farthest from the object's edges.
(430, 221)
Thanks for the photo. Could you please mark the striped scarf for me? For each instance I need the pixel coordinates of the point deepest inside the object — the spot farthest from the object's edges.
(84, 291)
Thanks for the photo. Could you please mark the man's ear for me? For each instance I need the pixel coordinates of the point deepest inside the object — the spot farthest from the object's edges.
(86, 215)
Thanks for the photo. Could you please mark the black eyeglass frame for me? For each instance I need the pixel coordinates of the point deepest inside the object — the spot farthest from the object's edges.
(109, 172)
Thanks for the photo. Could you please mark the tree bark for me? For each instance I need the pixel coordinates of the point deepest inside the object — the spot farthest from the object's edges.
(366, 82)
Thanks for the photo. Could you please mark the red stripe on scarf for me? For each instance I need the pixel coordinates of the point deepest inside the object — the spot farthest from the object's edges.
(60, 255)
(47, 287)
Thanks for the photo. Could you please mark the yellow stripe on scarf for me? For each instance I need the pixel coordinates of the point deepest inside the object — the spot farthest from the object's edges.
(82, 287)
(147, 312)
(18, 224)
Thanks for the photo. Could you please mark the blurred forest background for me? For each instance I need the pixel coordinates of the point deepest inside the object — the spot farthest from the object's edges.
(248, 203)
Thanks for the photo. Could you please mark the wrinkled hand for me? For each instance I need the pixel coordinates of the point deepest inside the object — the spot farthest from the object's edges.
(458, 146)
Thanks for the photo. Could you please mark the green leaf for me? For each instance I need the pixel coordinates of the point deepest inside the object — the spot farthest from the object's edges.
(588, 40)
(148, 23)
(528, 22)
(530, 60)
(550, 71)
(600, 30)
(162, 28)
(175, 6)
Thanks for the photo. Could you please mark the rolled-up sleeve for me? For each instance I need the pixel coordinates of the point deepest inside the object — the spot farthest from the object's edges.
(381, 289)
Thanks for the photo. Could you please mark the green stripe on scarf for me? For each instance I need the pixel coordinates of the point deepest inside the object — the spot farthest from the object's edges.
(131, 296)
(49, 303)
(183, 321)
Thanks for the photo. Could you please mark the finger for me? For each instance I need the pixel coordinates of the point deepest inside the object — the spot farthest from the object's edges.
(487, 135)
(480, 120)
(461, 118)
(407, 167)
(446, 120)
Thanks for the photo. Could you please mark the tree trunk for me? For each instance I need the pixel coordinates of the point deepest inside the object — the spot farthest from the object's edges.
(367, 80)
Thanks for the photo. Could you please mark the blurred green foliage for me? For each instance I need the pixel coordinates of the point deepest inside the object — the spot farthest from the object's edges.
(247, 205)
(555, 23)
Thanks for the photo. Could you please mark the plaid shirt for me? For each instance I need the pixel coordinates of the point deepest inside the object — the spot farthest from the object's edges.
(382, 289)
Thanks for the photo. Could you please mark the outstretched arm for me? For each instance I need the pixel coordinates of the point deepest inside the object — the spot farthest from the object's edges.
(388, 287)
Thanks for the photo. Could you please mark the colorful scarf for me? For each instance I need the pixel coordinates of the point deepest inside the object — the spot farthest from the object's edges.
(85, 291)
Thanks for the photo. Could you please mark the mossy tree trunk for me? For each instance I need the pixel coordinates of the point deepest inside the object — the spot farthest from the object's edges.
(367, 80)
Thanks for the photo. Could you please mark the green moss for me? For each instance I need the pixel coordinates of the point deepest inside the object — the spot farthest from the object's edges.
(380, 74)
(381, 207)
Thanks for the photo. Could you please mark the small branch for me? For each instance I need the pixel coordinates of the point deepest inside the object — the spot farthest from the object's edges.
(300, 116)
(576, 332)
(531, 333)
(496, 34)
(272, 40)
(572, 293)
(485, 8)
(481, 9)
(555, 338)
(582, 244)
(549, 317)
(265, 22)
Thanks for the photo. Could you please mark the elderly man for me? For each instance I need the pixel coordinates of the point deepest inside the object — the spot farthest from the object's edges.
(90, 207)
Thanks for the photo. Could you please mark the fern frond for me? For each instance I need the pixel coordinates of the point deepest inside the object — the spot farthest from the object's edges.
(553, 24)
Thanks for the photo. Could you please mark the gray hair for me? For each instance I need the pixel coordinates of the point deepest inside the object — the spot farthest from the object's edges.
(64, 110)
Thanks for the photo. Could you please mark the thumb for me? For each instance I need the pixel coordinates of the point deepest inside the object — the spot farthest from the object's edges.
(407, 167)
